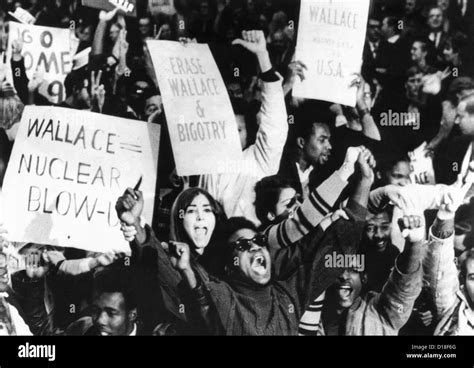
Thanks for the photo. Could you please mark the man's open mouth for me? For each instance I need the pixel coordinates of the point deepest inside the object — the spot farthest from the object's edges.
(259, 264)
(345, 291)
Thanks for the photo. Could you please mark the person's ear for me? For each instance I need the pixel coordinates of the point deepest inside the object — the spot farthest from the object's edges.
(132, 315)
(378, 175)
(271, 216)
(300, 142)
(363, 278)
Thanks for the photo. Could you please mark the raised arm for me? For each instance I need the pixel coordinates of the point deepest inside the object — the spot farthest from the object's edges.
(394, 304)
(264, 156)
(440, 271)
(318, 205)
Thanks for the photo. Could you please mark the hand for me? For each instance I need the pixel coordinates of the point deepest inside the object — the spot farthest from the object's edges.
(254, 41)
(97, 90)
(412, 228)
(106, 259)
(129, 232)
(454, 196)
(360, 83)
(394, 194)
(36, 81)
(296, 69)
(347, 168)
(17, 48)
(129, 207)
(366, 165)
(53, 257)
(107, 16)
(180, 256)
(339, 214)
(425, 317)
(34, 269)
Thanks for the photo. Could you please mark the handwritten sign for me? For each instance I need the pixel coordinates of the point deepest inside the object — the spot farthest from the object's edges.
(45, 49)
(330, 42)
(23, 16)
(127, 7)
(422, 167)
(201, 122)
(68, 168)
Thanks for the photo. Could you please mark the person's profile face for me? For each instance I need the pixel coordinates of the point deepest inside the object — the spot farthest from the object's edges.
(464, 120)
(399, 174)
(469, 280)
(318, 148)
(288, 203)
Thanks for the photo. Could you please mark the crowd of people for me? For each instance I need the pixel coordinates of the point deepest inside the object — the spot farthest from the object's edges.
(323, 231)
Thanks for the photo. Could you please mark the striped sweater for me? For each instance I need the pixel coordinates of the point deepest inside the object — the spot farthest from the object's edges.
(318, 205)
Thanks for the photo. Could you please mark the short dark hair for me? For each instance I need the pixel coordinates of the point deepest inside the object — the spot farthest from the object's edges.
(412, 71)
(392, 22)
(74, 80)
(387, 162)
(458, 42)
(424, 43)
(235, 224)
(267, 193)
(117, 280)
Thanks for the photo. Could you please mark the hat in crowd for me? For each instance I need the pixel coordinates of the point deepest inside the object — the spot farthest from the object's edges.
(11, 107)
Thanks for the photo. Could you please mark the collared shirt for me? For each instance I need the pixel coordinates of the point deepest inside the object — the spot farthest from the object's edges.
(465, 167)
(304, 179)
(435, 37)
(373, 48)
(393, 39)
(134, 331)
(465, 320)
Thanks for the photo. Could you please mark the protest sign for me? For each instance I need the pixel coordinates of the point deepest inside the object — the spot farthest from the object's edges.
(66, 172)
(422, 167)
(127, 7)
(330, 43)
(201, 122)
(47, 50)
(23, 16)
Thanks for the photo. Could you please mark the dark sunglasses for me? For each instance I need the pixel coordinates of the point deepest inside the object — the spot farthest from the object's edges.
(246, 244)
(296, 199)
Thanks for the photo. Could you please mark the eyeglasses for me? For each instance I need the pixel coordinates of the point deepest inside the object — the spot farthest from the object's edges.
(246, 244)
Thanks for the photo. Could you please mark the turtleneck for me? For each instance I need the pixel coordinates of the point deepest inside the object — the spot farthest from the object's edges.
(261, 293)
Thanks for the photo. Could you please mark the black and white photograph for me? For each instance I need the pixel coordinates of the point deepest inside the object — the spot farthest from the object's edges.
(203, 168)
